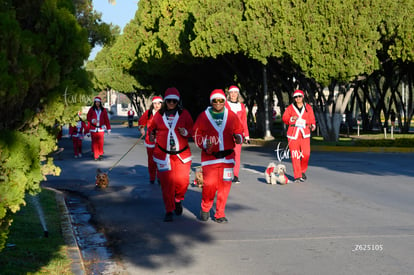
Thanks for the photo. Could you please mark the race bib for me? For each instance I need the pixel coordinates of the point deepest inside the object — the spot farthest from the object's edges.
(164, 167)
(227, 174)
(300, 123)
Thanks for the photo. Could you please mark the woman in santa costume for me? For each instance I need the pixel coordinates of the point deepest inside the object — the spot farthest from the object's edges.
(300, 118)
(216, 131)
(99, 122)
(239, 109)
(78, 132)
(170, 128)
(145, 121)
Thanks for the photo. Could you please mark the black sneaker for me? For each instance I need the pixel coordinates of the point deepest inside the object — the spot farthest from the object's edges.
(304, 176)
(168, 217)
(204, 215)
(178, 209)
(236, 180)
(299, 180)
(222, 220)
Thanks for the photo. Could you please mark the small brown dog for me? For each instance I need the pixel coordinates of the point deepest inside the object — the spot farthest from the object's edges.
(102, 179)
(198, 181)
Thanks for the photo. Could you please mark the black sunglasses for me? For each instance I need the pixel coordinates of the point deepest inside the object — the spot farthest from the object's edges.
(175, 101)
(220, 100)
(297, 96)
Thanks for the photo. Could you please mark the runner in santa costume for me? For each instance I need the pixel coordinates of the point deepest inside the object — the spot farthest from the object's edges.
(300, 118)
(99, 122)
(170, 128)
(239, 109)
(78, 132)
(131, 114)
(145, 121)
(216, 131)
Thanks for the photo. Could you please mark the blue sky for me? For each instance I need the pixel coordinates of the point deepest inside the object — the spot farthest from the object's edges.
(119, 14)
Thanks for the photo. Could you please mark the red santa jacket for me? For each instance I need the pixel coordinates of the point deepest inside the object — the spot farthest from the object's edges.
(101, 122)
(240, 110)
(163, 131)
(145, 121)
(222, 137)
(79, 130)
(306, 119)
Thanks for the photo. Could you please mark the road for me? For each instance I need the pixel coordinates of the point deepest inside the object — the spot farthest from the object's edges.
(354, 215)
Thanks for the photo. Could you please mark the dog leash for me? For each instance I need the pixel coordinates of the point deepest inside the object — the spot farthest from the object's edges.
(125, 153)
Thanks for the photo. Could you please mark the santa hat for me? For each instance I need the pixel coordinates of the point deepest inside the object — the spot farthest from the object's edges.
(234, 89)
(298, 93)
(156, 99)
(172, 93)
(97, 98)
(217, 93)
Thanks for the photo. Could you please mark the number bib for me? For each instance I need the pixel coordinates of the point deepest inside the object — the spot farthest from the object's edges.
(164, 167)
(227, 174)
(300, 123)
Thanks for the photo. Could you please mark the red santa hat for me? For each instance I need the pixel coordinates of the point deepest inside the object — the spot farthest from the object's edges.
(234, 89)
(217, 93)
(298, 93)
(97, 98)
(172, 93)
(156, 99)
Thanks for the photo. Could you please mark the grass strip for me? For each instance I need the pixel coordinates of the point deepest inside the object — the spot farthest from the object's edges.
(28, 250)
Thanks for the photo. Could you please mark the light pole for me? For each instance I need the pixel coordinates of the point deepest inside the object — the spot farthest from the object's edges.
(268, 134)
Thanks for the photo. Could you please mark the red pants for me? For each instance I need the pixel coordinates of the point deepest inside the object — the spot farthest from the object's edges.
(300, 153)
(237, 152)
(77, 146)
(97, 144)
(152, 166)
(174, 183)
(213, 182)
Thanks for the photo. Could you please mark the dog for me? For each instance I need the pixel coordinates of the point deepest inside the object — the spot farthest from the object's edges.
(276, 174)
(198, 180)
(102, 179)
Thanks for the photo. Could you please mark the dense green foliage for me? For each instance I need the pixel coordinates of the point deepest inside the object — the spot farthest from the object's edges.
(43, 48)
(342, 53)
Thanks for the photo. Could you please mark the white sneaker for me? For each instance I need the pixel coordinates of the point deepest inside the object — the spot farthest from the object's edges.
(75, 156)
(80, 155)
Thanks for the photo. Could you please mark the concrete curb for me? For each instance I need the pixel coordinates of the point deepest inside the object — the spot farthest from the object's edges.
(74, 253)
(328, 148)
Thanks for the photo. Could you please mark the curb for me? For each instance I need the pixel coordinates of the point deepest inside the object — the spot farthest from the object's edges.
(74, 253)
(330, 148)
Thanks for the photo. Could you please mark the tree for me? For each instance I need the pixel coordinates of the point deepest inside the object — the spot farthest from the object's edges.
(43, 48)
(326, 49)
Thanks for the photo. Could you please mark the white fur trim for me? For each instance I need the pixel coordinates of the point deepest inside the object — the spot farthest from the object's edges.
(172, 97)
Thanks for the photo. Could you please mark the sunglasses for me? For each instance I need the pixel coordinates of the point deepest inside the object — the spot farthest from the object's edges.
(175, 101)
(219, 100)
(298, 96)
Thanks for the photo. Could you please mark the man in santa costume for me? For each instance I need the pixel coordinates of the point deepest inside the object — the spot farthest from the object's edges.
(300, 118)
(170, 128)
(99, 122)
(131, 114)
(216, 131)
(239, 109)
(145, 121)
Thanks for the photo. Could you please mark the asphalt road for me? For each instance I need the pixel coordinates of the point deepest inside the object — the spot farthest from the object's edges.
(354, 214)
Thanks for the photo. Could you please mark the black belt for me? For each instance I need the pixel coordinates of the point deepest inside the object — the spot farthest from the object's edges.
(172, 152)
(222, 154)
